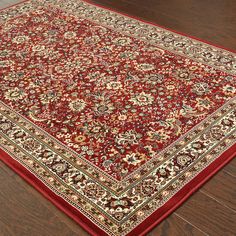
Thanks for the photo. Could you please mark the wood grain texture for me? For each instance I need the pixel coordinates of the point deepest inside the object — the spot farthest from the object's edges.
(209, 215)
(211, 211)
(220, 189)
(24, 211)
(231, 169)
(176, 226)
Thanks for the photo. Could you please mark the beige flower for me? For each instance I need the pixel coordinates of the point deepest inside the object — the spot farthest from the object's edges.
(114, 85)
(203, 103)
(14, 94)
(122, 41)
(77, 105)
(6, 63)
(20, 39)
(158, 135)
(182, 160)
(129, 137)
(134, 158)
(69, 35)
(38, 48)
(92, 39)
(200, 88)
(122, 117)
(80, 138)
(142, 99)
(229, 90)
(103, 108)
(145, 67)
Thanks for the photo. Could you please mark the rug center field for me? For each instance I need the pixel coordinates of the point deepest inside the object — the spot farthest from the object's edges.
(115, 100)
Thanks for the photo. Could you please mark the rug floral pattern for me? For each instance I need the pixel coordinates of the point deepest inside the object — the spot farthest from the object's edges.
(113, 104)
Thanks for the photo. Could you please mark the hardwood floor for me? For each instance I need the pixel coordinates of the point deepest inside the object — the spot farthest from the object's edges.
(211, 210)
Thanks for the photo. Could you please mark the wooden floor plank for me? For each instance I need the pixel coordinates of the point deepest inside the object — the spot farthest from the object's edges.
(222, 189)
(23, 213)
(209, 215)
(176, 226)
(231, 168)
(30, 190)
(6, 3)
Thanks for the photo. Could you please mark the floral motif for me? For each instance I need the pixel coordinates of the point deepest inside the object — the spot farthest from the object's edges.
(204, 103)
(142, 99)
(14, 94)
(147, 188)
(183, 160)
(160, 135)
(113, 115)
(72, 84)
(229, 89)
(145, 67)
(129, 137)
(31, 145)
(155, 78)
(69, 35)
(200, 88)
(59, 167)
(134, 158)
(122, 41)
(77, 105)
(20, 39)
(114, 85)
(94, 191)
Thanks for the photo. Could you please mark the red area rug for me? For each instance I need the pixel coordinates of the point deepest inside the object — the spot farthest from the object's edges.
(115, 120)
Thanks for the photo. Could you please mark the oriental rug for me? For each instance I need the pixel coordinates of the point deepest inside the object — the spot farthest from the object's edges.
(115, 120)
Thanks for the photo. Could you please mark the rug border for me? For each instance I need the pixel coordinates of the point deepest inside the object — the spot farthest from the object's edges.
(164, 211)
(13, 5)
(141, 20)
(187, 191)
(157, 25)
(150, 222)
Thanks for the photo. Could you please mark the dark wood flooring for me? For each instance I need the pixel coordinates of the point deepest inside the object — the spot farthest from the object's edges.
(211, 210)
